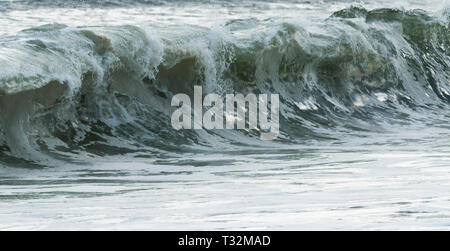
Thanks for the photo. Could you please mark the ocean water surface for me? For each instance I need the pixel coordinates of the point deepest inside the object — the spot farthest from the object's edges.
(86, 141)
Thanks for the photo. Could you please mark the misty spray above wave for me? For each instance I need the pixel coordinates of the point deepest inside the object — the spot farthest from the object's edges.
(67, 91)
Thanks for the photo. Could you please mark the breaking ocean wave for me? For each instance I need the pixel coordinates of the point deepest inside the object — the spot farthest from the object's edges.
(107, 89)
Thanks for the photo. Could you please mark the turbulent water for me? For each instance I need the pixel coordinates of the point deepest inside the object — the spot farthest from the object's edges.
(85, 106)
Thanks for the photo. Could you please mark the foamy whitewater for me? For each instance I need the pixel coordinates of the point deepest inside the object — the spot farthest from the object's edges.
(85, 106)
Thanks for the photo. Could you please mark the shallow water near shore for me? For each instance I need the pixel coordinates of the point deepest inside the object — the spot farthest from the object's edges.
(86, 140)
(381, 183)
